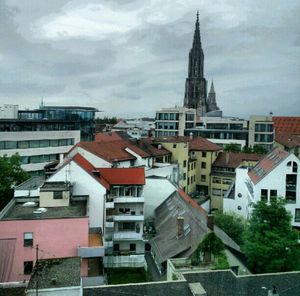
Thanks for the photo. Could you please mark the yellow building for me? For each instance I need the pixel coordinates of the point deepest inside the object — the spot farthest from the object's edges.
(194, 157)
(223, 174)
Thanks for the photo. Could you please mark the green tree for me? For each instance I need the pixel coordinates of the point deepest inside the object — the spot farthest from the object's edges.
(271, 244)
(258, 149)
(234, 225)
(11, 174)
(112, 120)
(232, 148)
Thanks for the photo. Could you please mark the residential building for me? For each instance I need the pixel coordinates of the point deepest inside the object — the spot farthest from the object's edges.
(28, 228)
(53, 118)
(174, 121)
(38, 148)
(275, 175)
(222, 130)
(261, 132)
(124, 217)
(222, 175)
(196, 85)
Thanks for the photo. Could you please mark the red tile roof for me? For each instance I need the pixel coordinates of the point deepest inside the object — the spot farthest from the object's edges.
(234, 159)
(267, 164)
(113, 151)
(148, 145)
(286, 124)
(123, 176)
(196, 143)
(288, 140)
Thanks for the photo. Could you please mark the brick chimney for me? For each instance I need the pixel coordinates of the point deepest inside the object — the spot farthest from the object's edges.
(180, 226)
(210, 221)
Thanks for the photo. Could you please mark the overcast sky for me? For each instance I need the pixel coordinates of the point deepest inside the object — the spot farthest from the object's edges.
(130, 58)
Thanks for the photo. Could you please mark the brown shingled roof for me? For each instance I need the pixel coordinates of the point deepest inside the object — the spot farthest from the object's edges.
(112, 151)
(234, 159)
(267, 164)
(288, 140)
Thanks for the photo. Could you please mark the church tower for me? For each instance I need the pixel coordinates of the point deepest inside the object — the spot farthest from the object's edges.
(211, 99)
(195, 85)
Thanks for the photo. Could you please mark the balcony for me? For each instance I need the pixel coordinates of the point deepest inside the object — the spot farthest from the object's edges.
(109, 224)
(129, 260)
(129, 199)
(127, 217)
(127, 235)
(94, 249)
(93, 281)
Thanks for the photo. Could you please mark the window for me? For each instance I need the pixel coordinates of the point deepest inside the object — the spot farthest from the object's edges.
(273, 194)
(203, 178)
(116, 248)
(217, 180)
(184, 163)
(264, 195)
(203, 154)
(184, 176)
(174, 145)
(227, 181)
(203, 165)
(127, 226)
(239, 195)
(132, 247)
(28, 267)
(28, 239)
(297, 215)
(57, 195)
(188, 180)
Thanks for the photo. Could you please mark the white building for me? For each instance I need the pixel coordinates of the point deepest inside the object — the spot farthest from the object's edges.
(38, 148)
(174, 121)
(276, 175)
(9, 111)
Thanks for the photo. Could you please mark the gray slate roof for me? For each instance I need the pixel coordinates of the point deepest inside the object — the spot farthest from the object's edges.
(178, 288)
(224, 283)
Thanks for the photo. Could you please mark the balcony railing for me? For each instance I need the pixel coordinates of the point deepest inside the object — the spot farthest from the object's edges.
(129, 199)
(94, 249)
(93, 280)
(128, 217)
(127, 235)
(124, 260)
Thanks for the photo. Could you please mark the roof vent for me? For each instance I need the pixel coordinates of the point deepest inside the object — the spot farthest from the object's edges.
(29, 204)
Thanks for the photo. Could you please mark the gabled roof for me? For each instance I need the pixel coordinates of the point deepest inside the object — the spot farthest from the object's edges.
(123, 176)
(288, 140)
(234, 159)
(286, 124)
(195, 143)
(112, 151)
(147, 144)
(108, 137)
(267, 164)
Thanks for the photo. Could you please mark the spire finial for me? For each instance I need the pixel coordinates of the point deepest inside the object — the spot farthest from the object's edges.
(197, 15)
(212, 88)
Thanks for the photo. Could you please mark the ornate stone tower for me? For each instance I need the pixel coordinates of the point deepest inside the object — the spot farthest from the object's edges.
(211, 99)
(195, 85)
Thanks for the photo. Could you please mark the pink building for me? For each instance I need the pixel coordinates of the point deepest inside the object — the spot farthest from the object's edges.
(56, 222)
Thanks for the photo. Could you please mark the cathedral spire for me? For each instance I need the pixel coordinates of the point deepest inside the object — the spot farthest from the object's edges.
(212, 88)
(197, 37)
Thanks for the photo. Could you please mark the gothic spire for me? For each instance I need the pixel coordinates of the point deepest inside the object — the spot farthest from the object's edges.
(197, 38)
(212, 88)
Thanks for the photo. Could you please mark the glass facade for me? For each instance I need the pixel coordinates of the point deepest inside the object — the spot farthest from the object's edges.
(39, 158)
(6, 145)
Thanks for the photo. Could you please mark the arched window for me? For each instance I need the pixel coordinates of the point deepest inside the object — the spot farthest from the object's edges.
(295, 167)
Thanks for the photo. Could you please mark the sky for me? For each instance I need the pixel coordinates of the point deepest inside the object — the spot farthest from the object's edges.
(129, 58)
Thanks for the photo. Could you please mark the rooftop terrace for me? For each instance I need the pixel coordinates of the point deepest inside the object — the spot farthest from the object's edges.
(18, 212)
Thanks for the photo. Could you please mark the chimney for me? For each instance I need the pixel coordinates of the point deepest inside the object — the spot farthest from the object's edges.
(180, 226)
(210, 221)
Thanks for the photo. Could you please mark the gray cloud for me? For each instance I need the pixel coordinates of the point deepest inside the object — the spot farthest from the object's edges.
(60, 50)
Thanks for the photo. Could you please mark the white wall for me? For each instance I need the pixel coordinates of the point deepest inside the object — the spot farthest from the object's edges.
(84, 184)
(65, 291)
(156, 191)
(140, 161)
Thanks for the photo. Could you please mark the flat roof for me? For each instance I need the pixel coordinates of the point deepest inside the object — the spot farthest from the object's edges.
(56, 273)
(31, 184)
(19, 212)
(55, 186)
